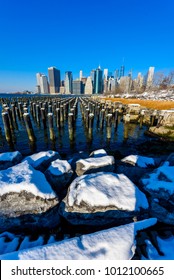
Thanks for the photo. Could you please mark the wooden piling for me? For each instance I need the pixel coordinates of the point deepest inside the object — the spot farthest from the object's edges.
(7, 129)
(50, 124)
(29, 127)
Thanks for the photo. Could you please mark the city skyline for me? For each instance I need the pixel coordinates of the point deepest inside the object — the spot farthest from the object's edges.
(81, 36)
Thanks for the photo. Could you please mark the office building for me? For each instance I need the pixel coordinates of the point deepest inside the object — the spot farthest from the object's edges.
(44, 86)
(89, 86)
(54, 79)
(68, 82)
(38, 89)
(98, 87)
(150, 76)
(105, 74)
(81, 75)
(77, 87)
(122, 69)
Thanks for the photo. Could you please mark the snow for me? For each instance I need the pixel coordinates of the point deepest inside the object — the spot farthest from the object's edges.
(36, 159)
(23, 177)
(11, 245)
(139, 161)
(96, 162)
(166, 247)
(154, 183)
(9, 156)
(59, 167)
(26, 243)
(106, 189)
(98, 153)
(115, 243)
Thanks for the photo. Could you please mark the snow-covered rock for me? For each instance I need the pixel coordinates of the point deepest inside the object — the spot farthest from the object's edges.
(42, 160)
(98, 153)
(160, 186)
(90, 165)
(26, 199)
(102, 199)
(59, 175)
(116, 243)
(140, 161)
(9, 159)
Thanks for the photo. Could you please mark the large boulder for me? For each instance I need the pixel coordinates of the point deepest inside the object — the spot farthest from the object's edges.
(42, 160)
(9, 159)
(97, 164)
(159, 186)
(117, 243)
(98, 153)
(59, 174)
(101, 199)
(27, 200)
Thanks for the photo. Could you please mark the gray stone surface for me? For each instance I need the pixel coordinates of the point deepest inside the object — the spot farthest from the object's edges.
(98, 164)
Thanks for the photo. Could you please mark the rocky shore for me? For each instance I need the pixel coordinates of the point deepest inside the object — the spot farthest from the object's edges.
(111, 207)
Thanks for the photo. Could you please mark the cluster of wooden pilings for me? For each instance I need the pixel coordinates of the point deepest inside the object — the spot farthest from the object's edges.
(106, 114)
(46, 112)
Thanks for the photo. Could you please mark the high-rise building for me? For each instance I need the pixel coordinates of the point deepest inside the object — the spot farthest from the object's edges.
(44, 86)
(105, 74)
(150, 75)
(93, 79)
(89, 86)
(116, 74)
(81, 75)
(54, 79)
(68, 82)
(99, 81)
(140, 80)
(122, 71)
(77, 87)
(38, 89)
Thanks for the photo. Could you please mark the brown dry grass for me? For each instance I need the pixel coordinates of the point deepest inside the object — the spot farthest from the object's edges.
(152, 104)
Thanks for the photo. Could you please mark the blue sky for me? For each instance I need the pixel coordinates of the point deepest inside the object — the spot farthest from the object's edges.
(79, 35)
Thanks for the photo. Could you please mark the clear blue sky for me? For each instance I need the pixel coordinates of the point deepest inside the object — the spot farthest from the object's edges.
(79, 35)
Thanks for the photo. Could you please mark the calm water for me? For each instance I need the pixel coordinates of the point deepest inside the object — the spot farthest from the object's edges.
(124, 140)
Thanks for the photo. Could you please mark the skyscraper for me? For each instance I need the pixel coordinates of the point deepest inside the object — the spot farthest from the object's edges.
(54, 79)
(38, 75)
(150, 75)
(93, 79)
(105, 74)
(81, 75)
(89, 86)
(77, 87)
(122, 71)
(99, 81)
(68, 82)
(44, 86)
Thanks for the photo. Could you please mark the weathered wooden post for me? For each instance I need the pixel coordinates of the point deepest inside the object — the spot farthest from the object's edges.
(50, 125)
(58, 117)
(116, 119)
(70, 126)
(91, 120)
(7, 129)
(29, 127)
(102, 113)
(141, 118)
(61, 115)
(108, 125)
(43, 117)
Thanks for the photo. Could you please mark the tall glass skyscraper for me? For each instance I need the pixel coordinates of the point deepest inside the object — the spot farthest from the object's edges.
(68, 82)
(54, 79)
(99, 81)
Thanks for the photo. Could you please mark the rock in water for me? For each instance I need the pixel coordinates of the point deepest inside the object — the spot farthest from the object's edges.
(42, 160)
(90, 165)
(98, 153)
(160, 186)
(27, 200)
(58, 175)
(9, 159)
(101, 199)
